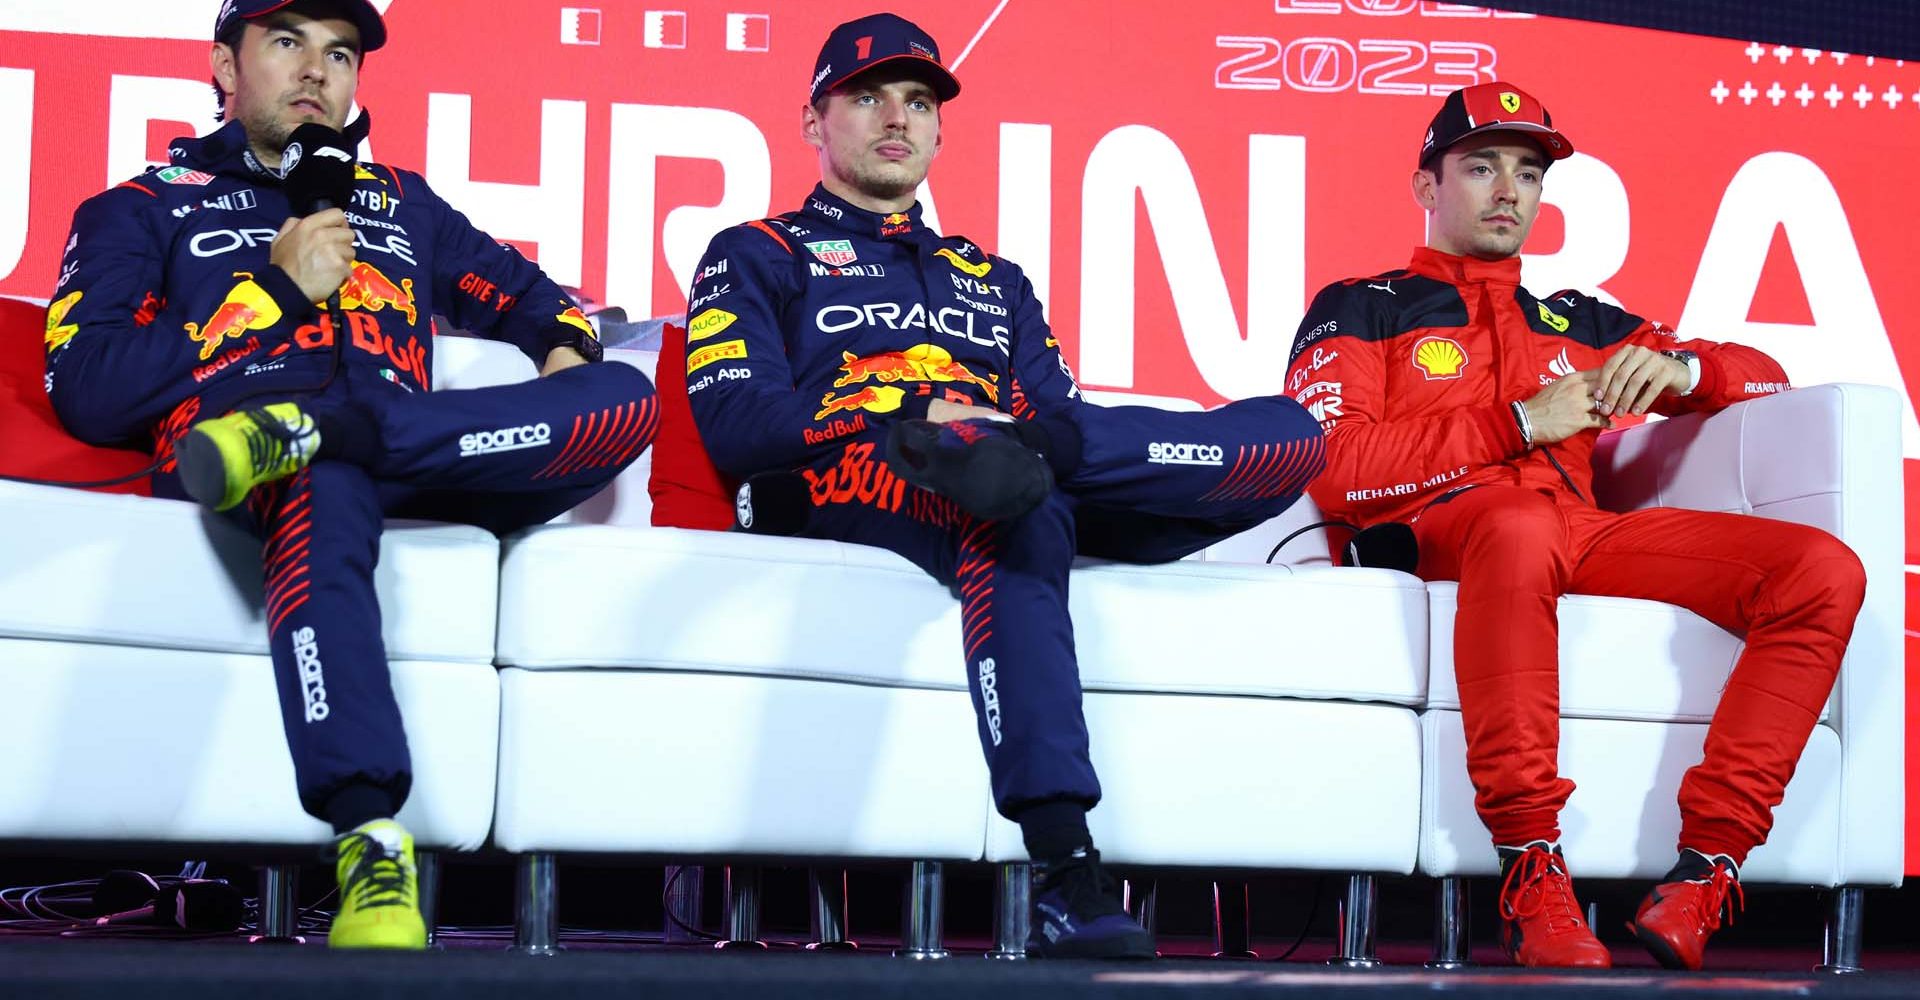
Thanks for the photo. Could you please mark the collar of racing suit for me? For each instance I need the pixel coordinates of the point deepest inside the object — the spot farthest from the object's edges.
(225, 150)
(830, 210)
(1465, 270)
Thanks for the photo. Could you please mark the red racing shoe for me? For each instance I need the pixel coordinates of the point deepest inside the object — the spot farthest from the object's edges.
(1680, 913)
(1540, 920)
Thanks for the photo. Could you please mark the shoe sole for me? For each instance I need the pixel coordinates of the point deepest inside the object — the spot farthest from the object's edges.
(997, 479)
(1660, 949)
(203, 473)
(1123, 950)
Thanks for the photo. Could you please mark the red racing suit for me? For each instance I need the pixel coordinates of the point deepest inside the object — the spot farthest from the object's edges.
(1413, 374)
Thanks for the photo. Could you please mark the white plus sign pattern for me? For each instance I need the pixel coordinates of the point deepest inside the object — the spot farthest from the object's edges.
(1840, 85)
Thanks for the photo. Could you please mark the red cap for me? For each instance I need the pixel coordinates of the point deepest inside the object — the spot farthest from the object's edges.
(1486, 107)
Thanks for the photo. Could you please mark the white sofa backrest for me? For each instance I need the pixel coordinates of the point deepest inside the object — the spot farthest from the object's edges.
(1828, 456)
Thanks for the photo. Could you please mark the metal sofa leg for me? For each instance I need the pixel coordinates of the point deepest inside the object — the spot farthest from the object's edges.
(743, 908)
(1357, 924)
(536, 906)
(427, 866)
(921, 920)
(1012, 911)
(828, 891)
(1141, 897)
(1232, 921)
(1844, 916)
(279, 909)
(1452, 926)
(684, 885)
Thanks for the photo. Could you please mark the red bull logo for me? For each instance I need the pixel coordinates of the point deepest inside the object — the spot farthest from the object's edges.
(575, 318)
(895, 224)
(875, 398)
(248, 307)
(366, 288)
(59, 331)
(858, 478)
(919, 363)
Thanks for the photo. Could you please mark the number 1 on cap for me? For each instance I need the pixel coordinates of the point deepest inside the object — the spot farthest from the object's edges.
(862, 47)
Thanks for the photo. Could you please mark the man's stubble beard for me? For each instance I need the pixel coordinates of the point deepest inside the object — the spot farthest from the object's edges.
(265, 131)
(881, 183)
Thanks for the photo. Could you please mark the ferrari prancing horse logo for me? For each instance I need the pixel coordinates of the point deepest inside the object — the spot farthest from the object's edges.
(1510, 101)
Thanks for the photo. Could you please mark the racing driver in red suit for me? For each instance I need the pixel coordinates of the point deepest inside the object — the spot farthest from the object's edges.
(1457, 401)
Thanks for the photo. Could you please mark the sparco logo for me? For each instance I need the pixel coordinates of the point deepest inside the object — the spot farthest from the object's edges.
(1168, 453)
(505, 439)
(990, 699)
(306, 660)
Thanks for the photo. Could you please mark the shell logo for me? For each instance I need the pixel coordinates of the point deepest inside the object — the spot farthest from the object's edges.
(1439, 358)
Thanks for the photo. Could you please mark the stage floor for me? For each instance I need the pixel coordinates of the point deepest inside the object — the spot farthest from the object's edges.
(471, 965)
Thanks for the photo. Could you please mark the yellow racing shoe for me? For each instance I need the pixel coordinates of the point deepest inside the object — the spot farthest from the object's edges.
(379, 889)
(223, 459)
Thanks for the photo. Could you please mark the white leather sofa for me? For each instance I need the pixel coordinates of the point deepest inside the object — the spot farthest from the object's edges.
(698, 695)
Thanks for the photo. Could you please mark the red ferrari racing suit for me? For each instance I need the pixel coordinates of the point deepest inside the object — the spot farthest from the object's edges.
(1413, 374)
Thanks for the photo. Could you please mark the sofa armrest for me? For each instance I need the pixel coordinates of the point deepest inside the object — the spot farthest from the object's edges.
(1827, 456)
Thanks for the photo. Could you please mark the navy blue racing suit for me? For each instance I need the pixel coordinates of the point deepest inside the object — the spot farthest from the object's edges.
(167, 312)
(809, 334)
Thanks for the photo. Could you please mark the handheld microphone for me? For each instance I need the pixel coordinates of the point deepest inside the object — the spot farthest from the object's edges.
(1390, 545)
(317, 170)
(193, 905)
(772, 503)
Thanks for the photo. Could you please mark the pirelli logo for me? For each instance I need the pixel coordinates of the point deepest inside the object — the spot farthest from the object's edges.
(729, 350)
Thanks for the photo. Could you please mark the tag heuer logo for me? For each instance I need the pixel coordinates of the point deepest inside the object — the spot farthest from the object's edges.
(183, 175)
(834, 253)
(1510, 101)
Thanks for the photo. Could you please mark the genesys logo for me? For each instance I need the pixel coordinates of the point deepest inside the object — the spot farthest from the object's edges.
(1169, 453)
(505, 439)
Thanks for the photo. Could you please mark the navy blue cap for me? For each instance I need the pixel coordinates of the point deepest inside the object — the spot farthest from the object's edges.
(860, 45)
(373, 30)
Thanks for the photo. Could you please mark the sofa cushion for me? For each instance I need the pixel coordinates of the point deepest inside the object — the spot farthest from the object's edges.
(571, 597)
(148, 572)
(1246, 783)
(121, 743)
(684, 764)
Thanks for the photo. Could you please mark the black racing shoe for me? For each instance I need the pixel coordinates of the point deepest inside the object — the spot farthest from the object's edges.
(1077, 913)
(980, 465)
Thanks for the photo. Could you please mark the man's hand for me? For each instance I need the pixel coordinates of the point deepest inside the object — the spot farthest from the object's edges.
(316, 252)
(942, 411)
(1565, 408)
(1636, 376)
(560, 359)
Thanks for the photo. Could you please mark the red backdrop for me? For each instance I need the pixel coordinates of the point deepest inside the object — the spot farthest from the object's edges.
(1178, 178)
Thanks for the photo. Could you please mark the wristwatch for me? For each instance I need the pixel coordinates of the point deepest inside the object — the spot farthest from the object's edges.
(1692, 361)
(585, 341)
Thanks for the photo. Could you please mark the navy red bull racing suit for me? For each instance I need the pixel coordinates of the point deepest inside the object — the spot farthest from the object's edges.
(811, 333)
(167, 311)
(1413, 374)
